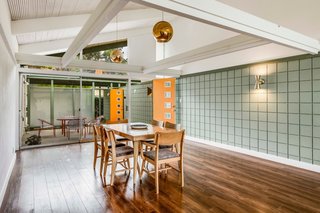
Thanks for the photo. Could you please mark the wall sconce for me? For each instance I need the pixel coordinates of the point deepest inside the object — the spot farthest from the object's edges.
(259, 81)
(149, 91)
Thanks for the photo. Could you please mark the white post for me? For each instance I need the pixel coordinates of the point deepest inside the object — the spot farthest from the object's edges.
(129, 98)
(80, 99)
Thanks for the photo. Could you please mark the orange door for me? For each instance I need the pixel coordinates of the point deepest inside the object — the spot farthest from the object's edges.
(164, 99)
(116, 104)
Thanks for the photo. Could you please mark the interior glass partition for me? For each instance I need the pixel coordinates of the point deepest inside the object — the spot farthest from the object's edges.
(60, 110)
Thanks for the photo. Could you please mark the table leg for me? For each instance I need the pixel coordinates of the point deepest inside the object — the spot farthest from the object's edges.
(64, 127)
(61, 127)
(135, 162)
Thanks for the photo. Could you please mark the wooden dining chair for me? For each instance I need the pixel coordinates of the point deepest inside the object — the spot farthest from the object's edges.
(73, 125)
(46, 125)
(151, 141)
(115, 154)
(120, 138)
(170, 125)
(165, 125)
(159, 157)
(99, 144)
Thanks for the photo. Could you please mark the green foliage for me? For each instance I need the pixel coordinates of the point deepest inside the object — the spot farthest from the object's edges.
(102, 56)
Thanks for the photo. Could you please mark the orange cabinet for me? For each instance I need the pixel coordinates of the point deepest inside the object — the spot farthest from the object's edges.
(116, 104)
(164, 99)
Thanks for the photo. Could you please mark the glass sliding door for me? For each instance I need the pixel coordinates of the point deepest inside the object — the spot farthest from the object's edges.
(67, 109)
(50, 110)
(87, 109)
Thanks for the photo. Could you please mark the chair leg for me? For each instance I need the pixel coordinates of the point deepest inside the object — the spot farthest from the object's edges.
(128, 162)
(95, 157)
(106, 161)
(181, 173)
(113, 170)
(102, 161)
(157, 178)
(142, 167)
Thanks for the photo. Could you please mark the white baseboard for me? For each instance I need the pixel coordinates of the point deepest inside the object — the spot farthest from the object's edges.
(6, 181)
(286, 161)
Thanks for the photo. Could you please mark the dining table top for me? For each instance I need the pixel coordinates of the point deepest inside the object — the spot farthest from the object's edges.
(70, 118)
(125, 130)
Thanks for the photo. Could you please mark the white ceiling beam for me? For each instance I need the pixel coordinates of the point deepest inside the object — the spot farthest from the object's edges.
(169, 72)
(40, 60)
(61, 45)
(221, 15)
(48, 24)
(68, 73)
(230, 45)
(104, 13)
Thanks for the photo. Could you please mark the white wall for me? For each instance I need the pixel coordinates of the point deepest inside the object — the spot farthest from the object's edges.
(189, 35)
(8, 102)
(141, 49)
(248, 56)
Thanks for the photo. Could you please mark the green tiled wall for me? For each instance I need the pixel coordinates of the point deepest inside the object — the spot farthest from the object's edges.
(141, 104)
(282, 119)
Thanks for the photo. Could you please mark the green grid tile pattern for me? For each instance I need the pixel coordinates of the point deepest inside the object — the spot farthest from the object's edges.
(141, 104)
(283, 119)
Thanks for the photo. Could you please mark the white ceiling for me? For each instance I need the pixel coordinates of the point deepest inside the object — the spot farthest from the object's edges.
(29, 9)
(300, 16)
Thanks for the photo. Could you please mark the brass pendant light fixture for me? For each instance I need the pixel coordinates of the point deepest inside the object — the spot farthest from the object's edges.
(116, 55)
(162, 31)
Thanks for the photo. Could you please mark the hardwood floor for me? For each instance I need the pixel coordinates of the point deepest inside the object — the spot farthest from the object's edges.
(61, 179)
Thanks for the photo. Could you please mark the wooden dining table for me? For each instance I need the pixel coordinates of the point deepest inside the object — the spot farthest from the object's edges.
(136, 136)
(64, 120)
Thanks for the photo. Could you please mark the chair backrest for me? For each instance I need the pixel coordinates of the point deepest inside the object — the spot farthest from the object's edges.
(44, 123)
(104, 138)
(118, 121)
(73, 123)
(169, 138)
(112, 140)
(157, 123)
(96, 133)
(172, 125)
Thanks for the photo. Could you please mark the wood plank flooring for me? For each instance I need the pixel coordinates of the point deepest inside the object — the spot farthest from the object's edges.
(61, 179)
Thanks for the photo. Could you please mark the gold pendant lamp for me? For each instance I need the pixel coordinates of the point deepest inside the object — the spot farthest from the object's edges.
(116, 55)
(162, 31)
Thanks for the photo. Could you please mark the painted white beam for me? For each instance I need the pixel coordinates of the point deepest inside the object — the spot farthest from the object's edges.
(169, 72)
(39, 60)
(77, 21)
(6, 39)
(106, 10)
(74, 74)
(48, 24)
(230, 45)
(110, 67)
(61, 45)
(221, 15)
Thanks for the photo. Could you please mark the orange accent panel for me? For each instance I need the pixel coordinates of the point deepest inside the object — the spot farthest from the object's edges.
(159, 99)
(116, 104)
